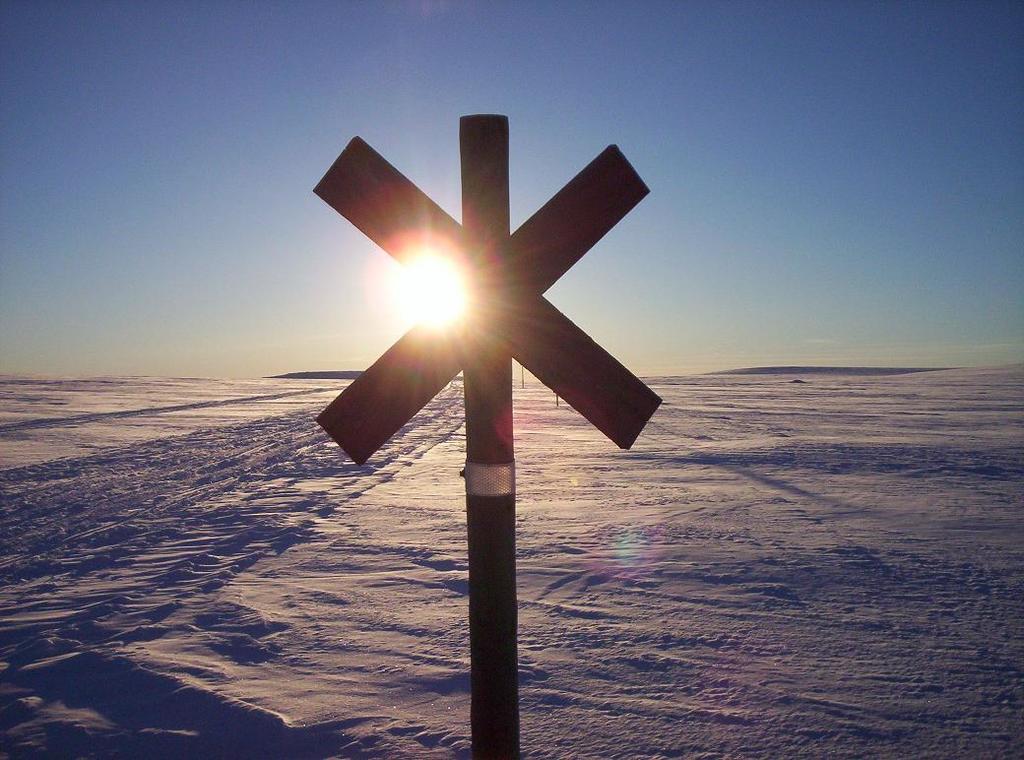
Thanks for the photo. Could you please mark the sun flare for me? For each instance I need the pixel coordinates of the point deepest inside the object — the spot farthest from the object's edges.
(432, 291)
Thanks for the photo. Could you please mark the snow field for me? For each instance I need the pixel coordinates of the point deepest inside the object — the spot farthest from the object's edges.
(830, 568)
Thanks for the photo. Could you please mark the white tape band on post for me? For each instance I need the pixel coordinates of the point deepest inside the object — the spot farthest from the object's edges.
(490, 479)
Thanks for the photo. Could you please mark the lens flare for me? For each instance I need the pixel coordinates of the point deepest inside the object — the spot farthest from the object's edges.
(632, 552)
(432, 291)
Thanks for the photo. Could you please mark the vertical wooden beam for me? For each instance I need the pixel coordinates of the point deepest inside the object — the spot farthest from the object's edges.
(490, 468)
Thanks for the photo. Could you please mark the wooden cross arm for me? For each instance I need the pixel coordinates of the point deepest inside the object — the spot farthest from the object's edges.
(567, 361)
(577, 216)
(385, 205)
(388, 394)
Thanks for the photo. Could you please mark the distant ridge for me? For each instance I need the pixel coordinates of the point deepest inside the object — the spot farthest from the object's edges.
(328, 374)
(827, 370)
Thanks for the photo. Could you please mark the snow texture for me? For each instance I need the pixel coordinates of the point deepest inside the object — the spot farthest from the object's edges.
(189, 568)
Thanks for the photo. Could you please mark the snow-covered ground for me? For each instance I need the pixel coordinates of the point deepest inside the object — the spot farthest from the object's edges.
(189, 568)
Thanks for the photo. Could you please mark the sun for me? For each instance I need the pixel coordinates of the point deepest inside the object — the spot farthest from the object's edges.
(432, 291)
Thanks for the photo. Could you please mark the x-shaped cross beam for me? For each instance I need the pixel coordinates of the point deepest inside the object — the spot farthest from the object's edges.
(508, 308)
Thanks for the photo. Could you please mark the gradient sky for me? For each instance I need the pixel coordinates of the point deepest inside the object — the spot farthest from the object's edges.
(832, 183)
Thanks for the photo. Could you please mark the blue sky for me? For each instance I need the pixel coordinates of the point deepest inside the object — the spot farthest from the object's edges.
(832, 183)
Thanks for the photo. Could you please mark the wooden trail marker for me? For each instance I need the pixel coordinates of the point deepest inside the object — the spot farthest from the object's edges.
(508, 318)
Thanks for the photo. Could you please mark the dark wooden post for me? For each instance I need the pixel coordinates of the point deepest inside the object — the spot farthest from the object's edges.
(490, 464)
